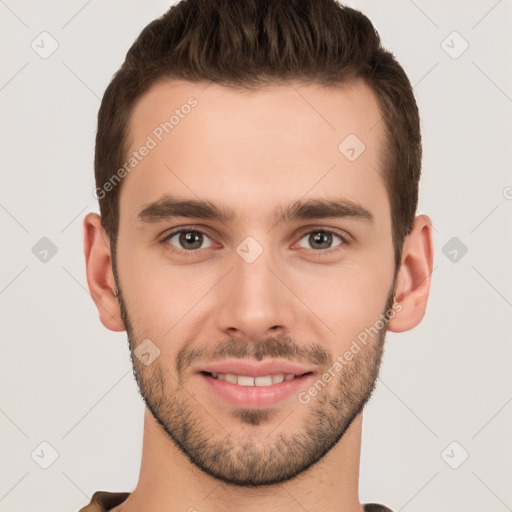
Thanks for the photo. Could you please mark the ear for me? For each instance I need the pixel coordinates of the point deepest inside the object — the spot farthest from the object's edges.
(413, 281)
(100, 277)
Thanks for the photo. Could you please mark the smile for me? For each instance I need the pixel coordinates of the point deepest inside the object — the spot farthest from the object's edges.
(246, 380)
(254, 392)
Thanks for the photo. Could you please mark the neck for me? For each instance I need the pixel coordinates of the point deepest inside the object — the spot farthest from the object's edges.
(168, 481)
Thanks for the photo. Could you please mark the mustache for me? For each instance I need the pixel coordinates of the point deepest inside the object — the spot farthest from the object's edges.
(273, 347)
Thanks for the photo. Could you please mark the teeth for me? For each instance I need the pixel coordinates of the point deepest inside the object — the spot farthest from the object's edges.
(277, 378)
(244, 380)
(230, 378)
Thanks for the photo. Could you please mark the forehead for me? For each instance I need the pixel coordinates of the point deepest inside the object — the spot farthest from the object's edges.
(252, 148)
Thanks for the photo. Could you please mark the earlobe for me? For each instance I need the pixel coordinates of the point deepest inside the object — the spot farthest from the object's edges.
(413, 282)
(100, 278)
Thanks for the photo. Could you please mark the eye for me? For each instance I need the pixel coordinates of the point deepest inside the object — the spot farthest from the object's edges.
(188, 240)
(191, 241)
(321, 240)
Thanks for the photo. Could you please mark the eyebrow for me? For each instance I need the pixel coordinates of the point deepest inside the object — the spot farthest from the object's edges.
(169, 207)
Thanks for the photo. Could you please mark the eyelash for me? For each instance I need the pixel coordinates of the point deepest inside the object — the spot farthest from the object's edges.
(343, 238)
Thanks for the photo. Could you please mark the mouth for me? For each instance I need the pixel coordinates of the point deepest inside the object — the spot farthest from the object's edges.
(255, 392)
(260, 381)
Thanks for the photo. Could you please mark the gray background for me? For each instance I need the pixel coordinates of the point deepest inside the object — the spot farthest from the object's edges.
(67, 381)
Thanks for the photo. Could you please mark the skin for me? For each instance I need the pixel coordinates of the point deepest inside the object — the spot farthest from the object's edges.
(253, 151)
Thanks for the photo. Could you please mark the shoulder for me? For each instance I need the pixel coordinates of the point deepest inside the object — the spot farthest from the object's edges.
(102, 501)
(375, 507)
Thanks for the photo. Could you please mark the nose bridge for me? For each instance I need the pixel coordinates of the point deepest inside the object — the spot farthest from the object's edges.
(253, 280)
(254, 300)
(253, 275)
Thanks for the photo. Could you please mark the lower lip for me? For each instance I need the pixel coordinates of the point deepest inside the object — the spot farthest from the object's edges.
(256, 397)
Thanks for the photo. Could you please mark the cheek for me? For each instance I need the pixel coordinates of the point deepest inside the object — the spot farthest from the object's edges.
(348, 300)
(165, 301)
(148, 295)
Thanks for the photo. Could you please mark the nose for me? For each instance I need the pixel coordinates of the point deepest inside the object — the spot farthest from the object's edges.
(254, 302)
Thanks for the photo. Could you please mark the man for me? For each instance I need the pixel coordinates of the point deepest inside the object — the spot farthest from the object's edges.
(257, 166)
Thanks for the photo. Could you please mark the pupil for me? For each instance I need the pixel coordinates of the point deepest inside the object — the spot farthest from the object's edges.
(189, 238)
(317, 238)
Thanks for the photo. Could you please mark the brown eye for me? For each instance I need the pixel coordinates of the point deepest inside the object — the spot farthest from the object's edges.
(187, 240)
(321, 240)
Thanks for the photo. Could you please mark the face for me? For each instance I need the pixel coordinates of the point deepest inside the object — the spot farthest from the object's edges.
(252, 243)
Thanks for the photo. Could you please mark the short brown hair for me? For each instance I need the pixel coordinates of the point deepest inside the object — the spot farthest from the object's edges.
(249, 43)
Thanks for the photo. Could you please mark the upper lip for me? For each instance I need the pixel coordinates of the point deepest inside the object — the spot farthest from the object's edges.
(255, 369)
